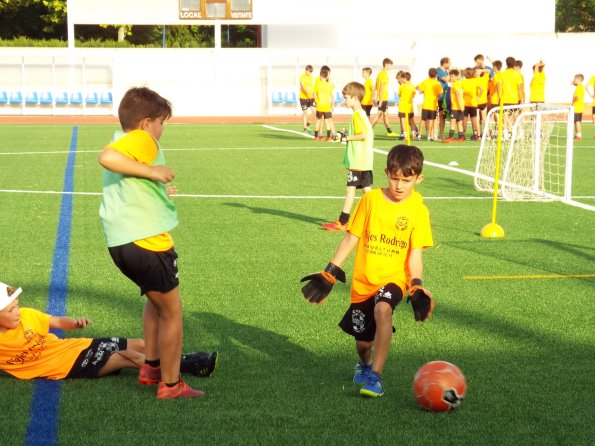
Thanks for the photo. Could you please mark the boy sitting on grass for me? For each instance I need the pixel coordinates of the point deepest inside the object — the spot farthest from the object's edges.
(28, 350)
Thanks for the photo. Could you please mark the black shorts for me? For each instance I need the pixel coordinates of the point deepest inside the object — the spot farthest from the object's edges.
(360, 178)
(367, 109)
(359, 320)
(383, 106)
(457, 115)
(307, 103)
(409, 115)
(323, 115)
(428, 115)
(578, 117)
(470, 111)
(150, 270)
(91, 360)
(482, 106)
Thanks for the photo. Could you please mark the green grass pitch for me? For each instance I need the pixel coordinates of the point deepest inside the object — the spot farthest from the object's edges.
(251, 202)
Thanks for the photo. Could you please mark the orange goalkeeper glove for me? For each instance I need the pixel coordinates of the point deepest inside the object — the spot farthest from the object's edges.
(321, 284)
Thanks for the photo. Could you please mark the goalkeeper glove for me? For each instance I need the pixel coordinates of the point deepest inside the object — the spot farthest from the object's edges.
(421, 301)
(340, 136)
(321, 284)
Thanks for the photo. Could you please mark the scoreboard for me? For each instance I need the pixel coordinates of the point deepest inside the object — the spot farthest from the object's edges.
(215, 9)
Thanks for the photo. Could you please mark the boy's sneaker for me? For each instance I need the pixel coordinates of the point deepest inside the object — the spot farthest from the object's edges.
(461, 139)
(180, 390)
(148, 375)
(361, 373)
(374, 387)
(391, 134)
(334, 226)
(448, 140)
(577, 138)
(202, 364)
(475, 138)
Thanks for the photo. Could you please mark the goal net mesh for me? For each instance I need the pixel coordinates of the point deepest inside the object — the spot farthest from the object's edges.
(536, 152)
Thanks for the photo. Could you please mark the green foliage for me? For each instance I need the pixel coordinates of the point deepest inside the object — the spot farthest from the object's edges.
(575, 15)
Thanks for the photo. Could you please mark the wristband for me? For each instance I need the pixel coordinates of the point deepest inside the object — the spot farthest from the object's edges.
(416, 282)
(335, 271)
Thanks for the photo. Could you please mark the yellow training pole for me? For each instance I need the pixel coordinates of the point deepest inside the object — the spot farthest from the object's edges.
(493, 230)
(407, 130)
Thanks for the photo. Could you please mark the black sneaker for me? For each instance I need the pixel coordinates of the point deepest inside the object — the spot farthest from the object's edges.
(200, 363)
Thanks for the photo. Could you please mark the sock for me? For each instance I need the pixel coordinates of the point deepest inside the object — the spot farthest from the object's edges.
(153, 362)
(451, 133)
(172, 384)
(461, 135)
(328, 133)
(343, 218)
(389, 130)
(474, 132)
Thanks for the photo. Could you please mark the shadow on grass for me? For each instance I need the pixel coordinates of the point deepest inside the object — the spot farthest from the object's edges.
(277, 213)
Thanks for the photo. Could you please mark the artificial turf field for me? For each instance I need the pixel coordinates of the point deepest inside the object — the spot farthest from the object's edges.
(515, 314)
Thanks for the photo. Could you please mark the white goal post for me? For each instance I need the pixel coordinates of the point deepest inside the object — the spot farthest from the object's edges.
(536, 153)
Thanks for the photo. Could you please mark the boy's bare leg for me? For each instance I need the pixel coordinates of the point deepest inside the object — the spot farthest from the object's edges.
(364, 351)
(383, 315)
(349, 198)
(124, 359)
(169, 308)
(151, 331)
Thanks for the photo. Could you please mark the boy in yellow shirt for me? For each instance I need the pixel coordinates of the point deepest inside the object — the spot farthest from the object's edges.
(137, 214)
(307, 96)
(28, 350)
(537, 86)
(578, 102)
(406, 93)
(389, 230)
(323, 96)
(382, 87)
(471, 94)
(431, 89)
(368, 100)
(359, 153)
(457, 106)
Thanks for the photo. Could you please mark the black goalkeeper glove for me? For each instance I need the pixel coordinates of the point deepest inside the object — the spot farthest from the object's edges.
(321, 284)
(421, 301)
(340, 136)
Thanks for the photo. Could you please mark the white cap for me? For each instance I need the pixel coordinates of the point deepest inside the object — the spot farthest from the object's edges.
(7, 295)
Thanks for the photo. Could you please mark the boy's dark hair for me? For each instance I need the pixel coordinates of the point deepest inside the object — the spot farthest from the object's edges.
(354, 89)
(405, 159)
(399, 74)
(479, 56)
(510, 62)
(367, 69)
(444, 60)
(386, 61)
(324, 73)
(139, 103)
(580, 76)
(497, 64)
(518, 63)
(454, 71)
(325, 67)
(407, 76)
(309, 68)
(433, 72)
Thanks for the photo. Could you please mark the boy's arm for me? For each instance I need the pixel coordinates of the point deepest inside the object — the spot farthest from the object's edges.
(416, 268)
(119, 163)
(348, 244)
(69, 323)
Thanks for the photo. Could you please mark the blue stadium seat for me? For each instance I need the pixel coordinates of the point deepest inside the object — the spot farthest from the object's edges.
(46, 98)
(32, 98)
(106, 98)
(277, 97)
(338, 97)
(62, 98)
(92, 98)
(16, 98)
(393, 98)
(76, 98)
(290, 97)
(3, 97)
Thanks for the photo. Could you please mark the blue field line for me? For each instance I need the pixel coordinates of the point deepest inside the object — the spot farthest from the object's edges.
(43, 419)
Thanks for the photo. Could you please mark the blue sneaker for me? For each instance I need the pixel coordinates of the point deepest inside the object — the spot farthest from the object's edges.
(361, 373)
(374, 387)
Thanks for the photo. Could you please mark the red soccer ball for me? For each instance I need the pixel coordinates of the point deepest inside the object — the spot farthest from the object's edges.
(439, 386)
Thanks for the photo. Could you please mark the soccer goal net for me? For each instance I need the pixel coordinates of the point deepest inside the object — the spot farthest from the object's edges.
(536, 153)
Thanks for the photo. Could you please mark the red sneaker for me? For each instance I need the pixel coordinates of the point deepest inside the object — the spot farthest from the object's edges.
(461, 139)
(148, 375)
(180, 390)
(577, 138)
(448, 140)
(334, 226)
(475, 138)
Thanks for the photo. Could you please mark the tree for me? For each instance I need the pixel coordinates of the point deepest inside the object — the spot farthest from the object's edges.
(575, 15)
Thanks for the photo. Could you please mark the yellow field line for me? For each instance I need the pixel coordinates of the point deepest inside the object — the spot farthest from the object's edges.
(532, 276)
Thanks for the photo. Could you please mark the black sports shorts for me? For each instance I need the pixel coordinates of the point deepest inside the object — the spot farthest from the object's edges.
(150, 270)
(91, 360)
(359, 320)
(360, 178)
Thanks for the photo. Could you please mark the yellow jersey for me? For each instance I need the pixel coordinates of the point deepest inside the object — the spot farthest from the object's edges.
(382, 84)
(387, 233)
(455, 89)
(431, 90)
(323, 93)
(509, 86)
(470, 90)
(482, 84)
(368, 98)
(406, 93)
(578, 99)
(537, 87)
(306, 86)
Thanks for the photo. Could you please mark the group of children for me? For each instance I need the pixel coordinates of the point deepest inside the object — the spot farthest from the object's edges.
(459, 96)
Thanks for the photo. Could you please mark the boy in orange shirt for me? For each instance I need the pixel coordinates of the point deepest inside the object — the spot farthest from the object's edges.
(28, 350)
(389, 230)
